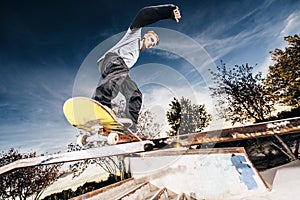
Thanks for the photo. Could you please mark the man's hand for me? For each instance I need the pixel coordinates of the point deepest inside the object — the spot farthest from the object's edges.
(176, 13)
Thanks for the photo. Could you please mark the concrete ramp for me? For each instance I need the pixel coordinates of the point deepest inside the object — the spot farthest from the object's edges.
(286, 182)
(201, 174)
(187, 174)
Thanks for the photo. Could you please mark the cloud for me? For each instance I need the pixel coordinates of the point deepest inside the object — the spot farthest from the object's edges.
(42, 137)
(292, 25)
(222, 47)
(164, 54)
(248, 38)
(31, 108)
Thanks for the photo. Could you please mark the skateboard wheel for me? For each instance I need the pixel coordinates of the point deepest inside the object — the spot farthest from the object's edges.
(148, 147)
(82, 140)
(113, 138)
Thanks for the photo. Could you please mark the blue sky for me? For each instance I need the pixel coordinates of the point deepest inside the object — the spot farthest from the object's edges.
(48, 51)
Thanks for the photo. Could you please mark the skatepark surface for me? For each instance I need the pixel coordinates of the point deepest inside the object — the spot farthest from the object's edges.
(224, 173)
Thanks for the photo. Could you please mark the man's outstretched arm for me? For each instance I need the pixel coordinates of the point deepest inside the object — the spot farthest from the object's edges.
(151, 14)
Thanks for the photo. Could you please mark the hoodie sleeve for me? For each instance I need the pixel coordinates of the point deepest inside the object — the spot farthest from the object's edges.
(151, 14)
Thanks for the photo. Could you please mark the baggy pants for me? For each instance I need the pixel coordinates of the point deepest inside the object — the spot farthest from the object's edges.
(116, 79)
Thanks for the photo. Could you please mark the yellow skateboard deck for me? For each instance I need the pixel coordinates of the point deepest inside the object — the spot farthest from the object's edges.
(88, 115)
(84, 113)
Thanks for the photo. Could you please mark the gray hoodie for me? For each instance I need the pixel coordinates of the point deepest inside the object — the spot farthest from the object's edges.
(128, 48)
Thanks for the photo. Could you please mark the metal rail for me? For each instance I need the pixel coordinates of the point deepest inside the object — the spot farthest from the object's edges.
(265, 129)
(106, 151)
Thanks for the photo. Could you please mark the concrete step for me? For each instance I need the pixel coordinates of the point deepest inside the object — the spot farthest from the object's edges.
(142, 191)
(114, 191)
(166, 194)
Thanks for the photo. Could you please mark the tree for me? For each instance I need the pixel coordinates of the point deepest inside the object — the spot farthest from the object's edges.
(185, 117)
(25, 182)
(174, 117)
(244, 97)
(118, 107)
(108, 164)
(283, 78)
(241, 96)
(147, 127)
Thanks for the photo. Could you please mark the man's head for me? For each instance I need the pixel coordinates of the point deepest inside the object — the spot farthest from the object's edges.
(149, 40)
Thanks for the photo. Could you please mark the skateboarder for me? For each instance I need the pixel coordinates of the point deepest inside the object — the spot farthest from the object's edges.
(115, 64)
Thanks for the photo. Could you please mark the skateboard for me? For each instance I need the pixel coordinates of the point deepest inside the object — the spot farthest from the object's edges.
(96, 122)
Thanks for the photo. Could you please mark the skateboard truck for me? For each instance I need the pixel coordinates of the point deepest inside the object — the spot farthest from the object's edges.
(97, 129)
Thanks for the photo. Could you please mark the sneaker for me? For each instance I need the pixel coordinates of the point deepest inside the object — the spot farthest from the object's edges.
(126, 122)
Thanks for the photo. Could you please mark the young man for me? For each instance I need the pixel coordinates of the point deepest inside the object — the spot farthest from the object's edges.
(115, 64)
